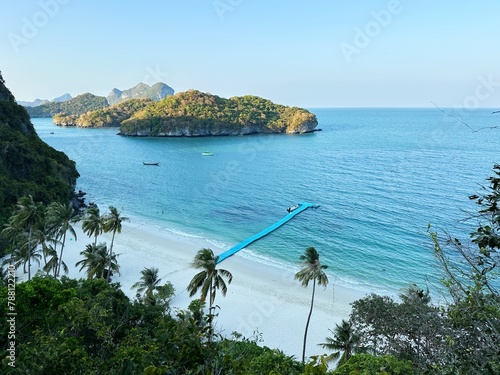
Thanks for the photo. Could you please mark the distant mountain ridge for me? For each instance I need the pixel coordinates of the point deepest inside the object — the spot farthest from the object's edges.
(140, 91)
(34, 103)
(68, 106)
(37, 102)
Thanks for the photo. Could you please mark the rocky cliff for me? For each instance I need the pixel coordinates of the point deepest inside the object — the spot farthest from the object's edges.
(140, 91)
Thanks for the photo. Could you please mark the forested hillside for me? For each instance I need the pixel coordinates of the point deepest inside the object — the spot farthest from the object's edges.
(28, 166)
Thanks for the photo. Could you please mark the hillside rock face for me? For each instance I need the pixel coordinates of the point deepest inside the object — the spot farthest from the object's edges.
(62, 98)
(140, 91)
(114, 96)
(28, 166)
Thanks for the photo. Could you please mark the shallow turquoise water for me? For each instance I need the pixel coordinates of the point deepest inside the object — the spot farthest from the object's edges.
(380, 176)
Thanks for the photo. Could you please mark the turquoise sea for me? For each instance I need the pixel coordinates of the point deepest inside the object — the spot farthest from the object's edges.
(380, 175)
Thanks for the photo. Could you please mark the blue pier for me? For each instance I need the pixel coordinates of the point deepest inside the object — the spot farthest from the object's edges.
(264, 232)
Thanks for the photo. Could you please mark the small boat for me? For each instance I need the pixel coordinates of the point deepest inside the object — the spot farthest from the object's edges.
(207, 153)
(150, 163)
(292, 208)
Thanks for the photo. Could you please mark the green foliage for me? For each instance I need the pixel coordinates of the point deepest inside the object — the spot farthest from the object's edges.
(149, 290)
(366, 364)
(105, 117)
(90, 327)
(344, 343)
(80, 327)
(75, 106)
(471, 276)
(411, 330)
(5, 94)
(206, 114)
(28, 166)
(318, 366)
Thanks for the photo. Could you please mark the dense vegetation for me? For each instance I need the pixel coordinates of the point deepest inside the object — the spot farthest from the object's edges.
(76, 106)
(109, 116)
(28, 166)
(195, 113)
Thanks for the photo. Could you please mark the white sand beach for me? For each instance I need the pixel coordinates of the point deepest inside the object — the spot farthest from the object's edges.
(261, 299)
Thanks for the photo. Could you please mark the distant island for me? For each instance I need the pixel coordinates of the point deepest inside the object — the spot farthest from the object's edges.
(193, 113)
(111, 116)
(65, 105)
(38, 102)
(75, 106)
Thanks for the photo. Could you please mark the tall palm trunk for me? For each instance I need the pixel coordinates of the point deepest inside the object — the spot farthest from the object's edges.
(29, 253)
(307, 323)
(108, 277)
(60, 257)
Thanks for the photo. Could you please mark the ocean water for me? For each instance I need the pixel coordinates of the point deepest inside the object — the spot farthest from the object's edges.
(380, 175)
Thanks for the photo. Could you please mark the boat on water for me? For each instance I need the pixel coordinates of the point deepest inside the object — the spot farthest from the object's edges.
(150, 163)
(292, 208)
(207, 153)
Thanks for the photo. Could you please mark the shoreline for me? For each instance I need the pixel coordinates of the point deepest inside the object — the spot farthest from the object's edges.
(263, 302)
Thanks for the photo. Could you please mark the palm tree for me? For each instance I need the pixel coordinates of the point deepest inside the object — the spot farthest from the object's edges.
(27, 216)
(313, 270)
(148, 283)
(344, 341)
(112, 223)
(210, 279)
(92, 223)
(59, 220)
(52, 264)
(23, 254)
(12, 230)
(96, 261)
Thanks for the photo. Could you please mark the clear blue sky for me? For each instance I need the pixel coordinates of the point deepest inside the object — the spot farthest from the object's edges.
(317, 53)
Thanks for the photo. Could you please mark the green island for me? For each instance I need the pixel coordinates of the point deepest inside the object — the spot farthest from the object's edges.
(194, 113)
(53, 324)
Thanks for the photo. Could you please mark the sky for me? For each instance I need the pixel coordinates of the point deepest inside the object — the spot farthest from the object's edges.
(316, 53)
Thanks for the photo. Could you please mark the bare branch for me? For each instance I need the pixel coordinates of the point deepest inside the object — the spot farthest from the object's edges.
(459, 120)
